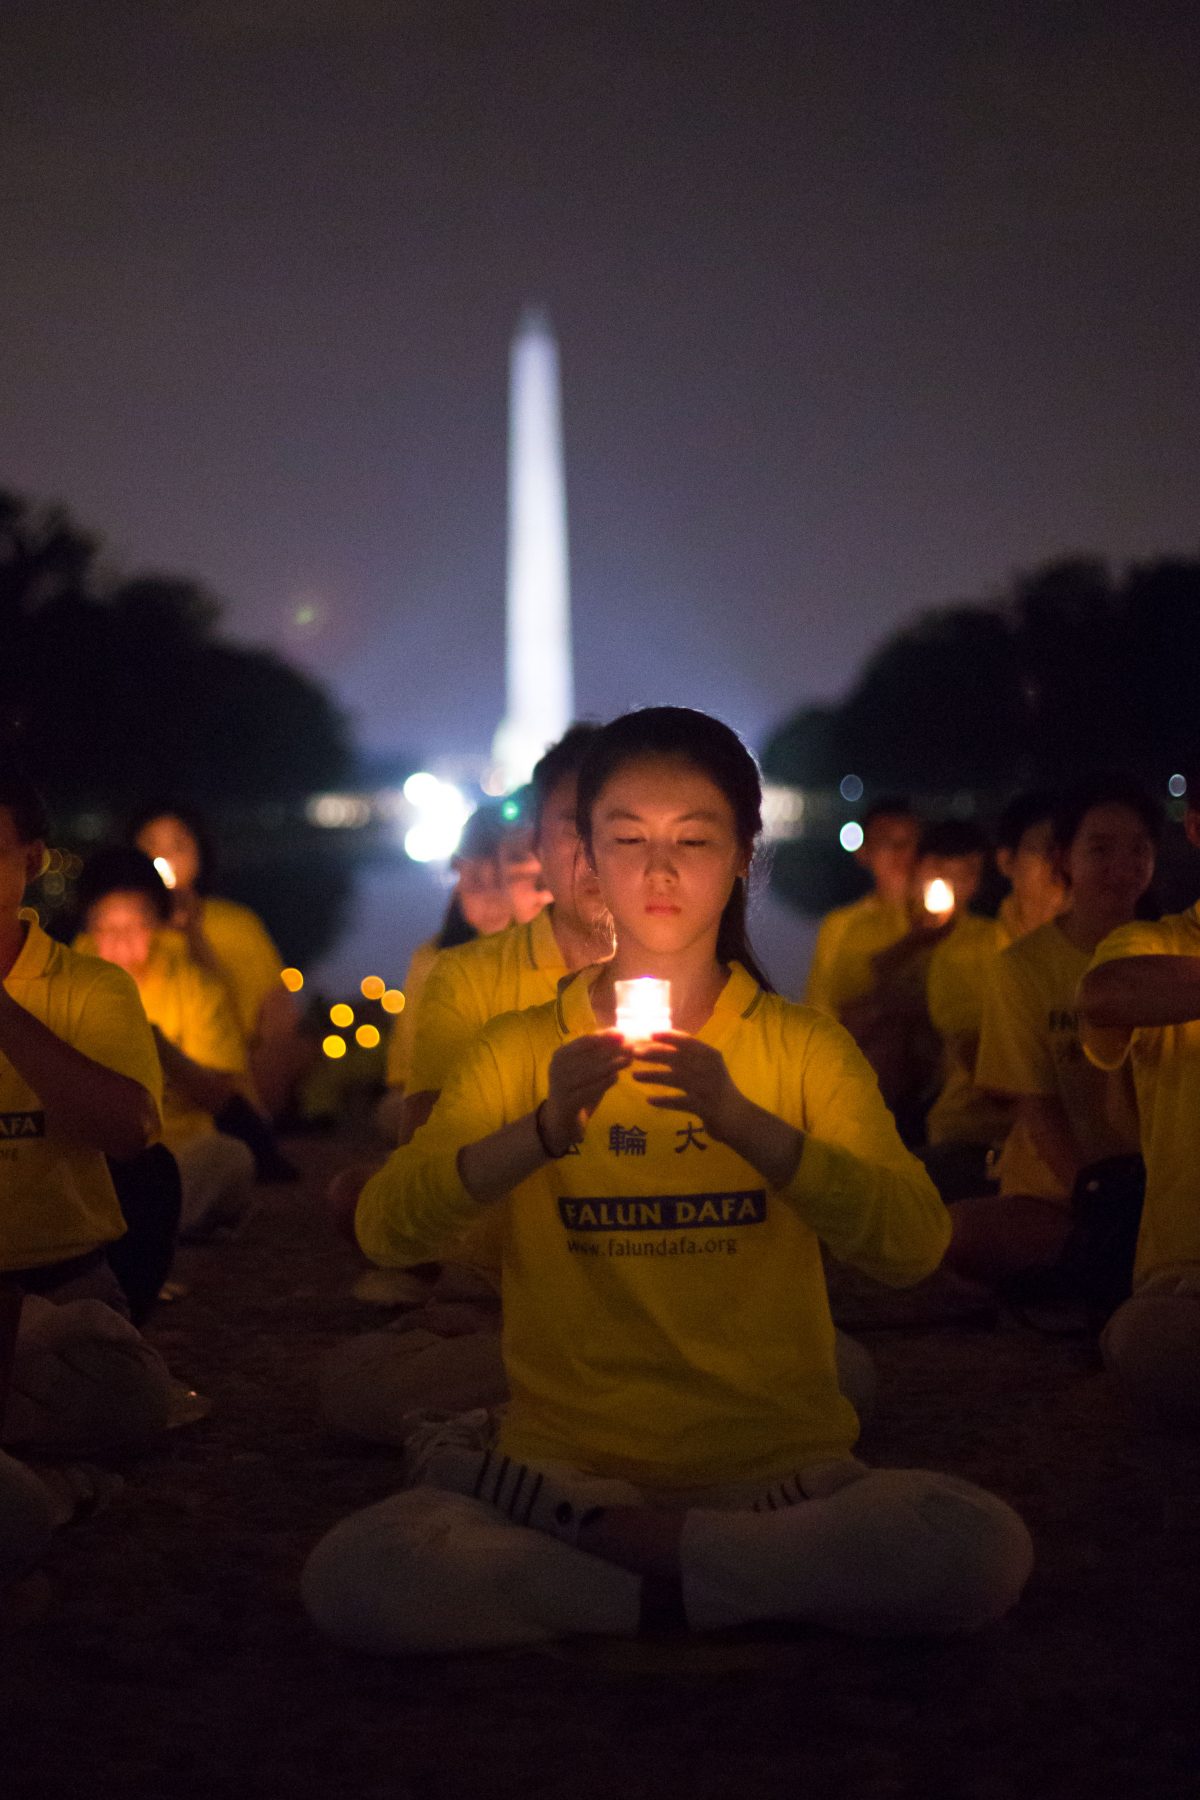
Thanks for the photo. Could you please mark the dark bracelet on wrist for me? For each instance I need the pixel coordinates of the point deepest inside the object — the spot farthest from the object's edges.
(554, 1155)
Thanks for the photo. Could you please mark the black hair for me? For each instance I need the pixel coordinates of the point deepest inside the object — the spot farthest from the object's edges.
(952, 837)
(888, 806)
(192, 821)
(1022, 813)
(22, 799)
(120, 869)
(561, 759)
(1105, 790)
(718, 752)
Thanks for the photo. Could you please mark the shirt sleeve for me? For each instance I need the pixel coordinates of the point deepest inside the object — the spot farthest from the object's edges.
(114, 1031)
(448, 1020)
(416, 1207)
(862, 1192)
(404, 1029)
(1014, 1047)
(251, 961)
(211, 1035)
(1107, 1046)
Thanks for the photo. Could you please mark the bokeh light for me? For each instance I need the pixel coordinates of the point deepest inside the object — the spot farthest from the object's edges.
(341, 1014)
(850, 837)
(334, 1046)
(372, 987)
(292, 980)
(367, 1036)
(392, 1001)
(1177, 786)
(851, 788)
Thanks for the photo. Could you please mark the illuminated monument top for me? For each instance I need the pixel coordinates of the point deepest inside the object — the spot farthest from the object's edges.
(539, 691)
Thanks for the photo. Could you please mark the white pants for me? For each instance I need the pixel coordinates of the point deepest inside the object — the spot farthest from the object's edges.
(26, 1519)
(84, 1381)
(217, 1175)
(1151, 1346)
(881, 1552)
(370, 1386)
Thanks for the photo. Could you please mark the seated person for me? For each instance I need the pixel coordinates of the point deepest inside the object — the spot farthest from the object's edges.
(230, 941)
(890, 1020)
(79, 1083)
(125, 909)
(966, 1126)
(492, 869)
(1069, 1114)
(1140, 1002)
(850, 936)
(676, 1435)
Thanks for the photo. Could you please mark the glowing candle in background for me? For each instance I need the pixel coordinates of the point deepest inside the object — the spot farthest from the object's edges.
(939, 897)
(166, 870)
(643, 1007)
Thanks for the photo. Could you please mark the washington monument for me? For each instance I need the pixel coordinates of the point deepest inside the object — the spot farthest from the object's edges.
(539, 690)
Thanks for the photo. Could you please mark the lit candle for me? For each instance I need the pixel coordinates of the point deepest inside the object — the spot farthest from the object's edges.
(643, 1007)
(939, 897)
(166, 870)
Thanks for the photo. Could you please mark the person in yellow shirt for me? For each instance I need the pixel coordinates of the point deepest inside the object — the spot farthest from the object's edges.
(1140, 1003)
(676, 1428)
(228, 940)
(850, 936)
(79, 1084)
(889, 1020)
(497, 881)
(1069, 1115)
(447, 1353)
(966, 1126)
(125, 908)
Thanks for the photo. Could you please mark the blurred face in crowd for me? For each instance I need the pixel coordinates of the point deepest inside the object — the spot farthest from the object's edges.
(19, 864)
(889, 852)
(1033, 872)
(566, 872)
(122, 927)
(961, 874)
(167, 839)
(1109, 862)
(527, 890)
(483, 893)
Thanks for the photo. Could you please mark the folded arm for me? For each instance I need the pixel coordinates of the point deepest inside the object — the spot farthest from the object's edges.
(83, 1100)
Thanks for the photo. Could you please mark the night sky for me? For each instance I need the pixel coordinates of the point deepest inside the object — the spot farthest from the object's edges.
(860, 307)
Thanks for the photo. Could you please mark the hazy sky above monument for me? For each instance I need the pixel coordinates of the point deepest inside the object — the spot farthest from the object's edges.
(860, 307)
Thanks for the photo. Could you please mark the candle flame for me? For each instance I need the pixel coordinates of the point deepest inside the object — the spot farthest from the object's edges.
(939, 896)
(166, 870)
(643, 1007)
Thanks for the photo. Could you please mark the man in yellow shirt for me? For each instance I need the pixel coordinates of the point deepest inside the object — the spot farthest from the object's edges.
(966, 1125)
(1069, 1114)
(202, 1051)
(1140, 1003)
(850, 936)
(79, 1083)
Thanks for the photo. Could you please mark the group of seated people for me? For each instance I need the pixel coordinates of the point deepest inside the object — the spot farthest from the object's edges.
(613, 1372)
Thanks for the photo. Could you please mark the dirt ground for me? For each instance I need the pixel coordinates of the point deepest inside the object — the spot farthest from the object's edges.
(173, 1658)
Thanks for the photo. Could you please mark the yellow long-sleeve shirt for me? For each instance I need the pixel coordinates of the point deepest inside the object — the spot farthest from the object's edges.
(665, 1312)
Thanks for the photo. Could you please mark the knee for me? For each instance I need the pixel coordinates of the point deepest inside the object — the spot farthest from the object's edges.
(982, 1551)
(1151, 1347)
(968, 1554)
(86, 1382)
(383, 1580)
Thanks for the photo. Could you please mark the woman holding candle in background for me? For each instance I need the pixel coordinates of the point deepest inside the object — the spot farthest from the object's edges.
(229, 940)
(676, 1432)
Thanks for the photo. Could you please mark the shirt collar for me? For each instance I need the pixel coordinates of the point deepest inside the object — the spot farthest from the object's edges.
(739, 999)
(34, 953)
(541, 945)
